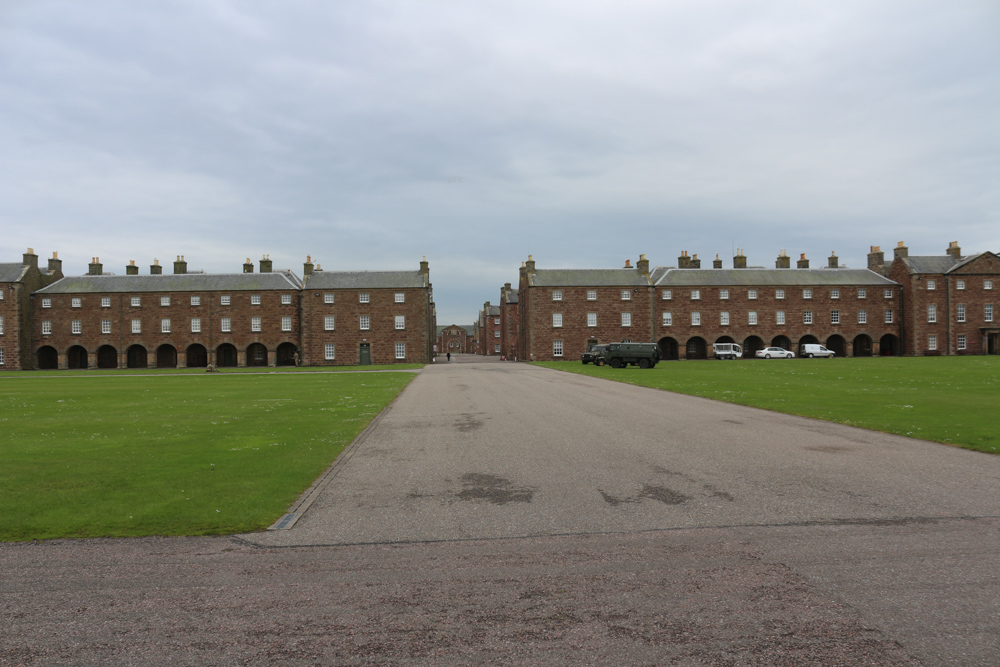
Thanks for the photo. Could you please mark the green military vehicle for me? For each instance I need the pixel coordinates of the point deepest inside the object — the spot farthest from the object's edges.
(618, 355)
(590, 356)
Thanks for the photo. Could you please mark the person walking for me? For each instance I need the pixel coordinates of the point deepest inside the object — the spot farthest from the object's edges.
(449, 356)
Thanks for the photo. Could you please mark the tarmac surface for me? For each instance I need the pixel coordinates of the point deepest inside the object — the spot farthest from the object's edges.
(504, 513)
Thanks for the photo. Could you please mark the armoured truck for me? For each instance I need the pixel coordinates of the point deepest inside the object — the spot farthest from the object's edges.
(617, 355)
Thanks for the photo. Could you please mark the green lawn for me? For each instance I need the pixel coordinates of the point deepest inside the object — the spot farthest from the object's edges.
(177, 454)
(955, 400)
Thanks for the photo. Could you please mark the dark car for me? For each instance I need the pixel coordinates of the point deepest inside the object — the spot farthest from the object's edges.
(591, 355)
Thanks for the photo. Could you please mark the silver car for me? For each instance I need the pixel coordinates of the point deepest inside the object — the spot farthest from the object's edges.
(776, 352)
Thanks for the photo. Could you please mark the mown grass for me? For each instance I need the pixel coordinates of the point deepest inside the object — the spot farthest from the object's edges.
(172, 455)
(954, 400)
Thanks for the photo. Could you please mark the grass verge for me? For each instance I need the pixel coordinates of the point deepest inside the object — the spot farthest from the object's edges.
(172, 455)
(954, 400)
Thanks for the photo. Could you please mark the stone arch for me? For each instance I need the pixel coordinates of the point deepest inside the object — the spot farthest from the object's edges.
(808, 340)
(226, 356)
(784, 342)
(751, 345)
(725, 339)
(48, 358)
(837, 343)
(889, 346)
(197, 356)
(135, 357)
(107, 357)
(668, 349)
(862, 345)
(76, 357)
(256, 355)
(285, 354)
(166, 356)
(696, 348)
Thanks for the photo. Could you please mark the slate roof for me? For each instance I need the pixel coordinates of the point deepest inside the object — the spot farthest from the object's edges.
(587, 278)
(494, 311)
(937, 263)
(174, 282)
(11, 273)
(365, 280)
(779, 277)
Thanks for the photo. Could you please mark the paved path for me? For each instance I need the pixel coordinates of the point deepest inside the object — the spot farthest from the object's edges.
(505, 513)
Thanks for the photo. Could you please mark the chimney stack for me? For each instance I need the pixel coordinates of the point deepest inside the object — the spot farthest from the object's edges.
(30, 258)
(643, 265)
(783, 261)
(131, 269)
(901, 251)
(739, 260)
(155, 269)
(832, 262)
(248, 266)
(876, 260)
(96, 268)
(307, 266)
(425, 268)
(265, 264)
(684, 262)
(954, 250)
(716, 263)
(55, 264)
(695, 262)
(803, 263)
(180, 266)
(530, 265)
(628, 263)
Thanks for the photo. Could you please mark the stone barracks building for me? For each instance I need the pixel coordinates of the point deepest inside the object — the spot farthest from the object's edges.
(194, 319)
(925, 305)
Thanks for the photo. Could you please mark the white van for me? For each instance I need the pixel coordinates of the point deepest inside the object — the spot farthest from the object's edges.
(810, 350)
(727, 351)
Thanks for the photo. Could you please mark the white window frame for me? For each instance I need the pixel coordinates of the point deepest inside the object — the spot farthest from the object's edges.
(695, 318)
(591, 295)
(196, 301)
(667, 294)
(962, 341)
(862, 316)
(751, 294)
(557, 348)
(626, 295)
(779, 294)
(255, 324)
(364, 297)
(591, 319)
(987, 284)
(328, 297)
(195, 325)
(696, 295)
(496, 333)
(165, 325)
(557, 295)
(988, 312)
(931, 285)
(959, 284)
(807, 294)
(329, 351)
(135, 301)
(752, 318)
(626, 319)
(887, 293)
(862, 293)
(46, 302)
(225, 300)
(779, 317)
(724, 318)
(329, 323)
(399, 297)
(668, 319)
(136, 326)
(496, 348)
(164, 300)
(723, 295)
(226, 325)
(888, 316)
(76, 302)
(932, 342)
(807, 317)
(1, 352)
(400, 351)
(960, 312)
(834, 317)
(255, 299)
(46, 327)
(557, 320)
(835, 293)
(76, 326)
(400, 322)
(286, 299)
(286, 323)
(105, 302)
(105, 326)
(365, 323)
(932, 312)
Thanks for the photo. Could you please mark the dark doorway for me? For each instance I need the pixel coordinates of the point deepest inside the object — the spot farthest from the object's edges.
(48, 358)
(366, 354)
(888, 346)
(696, 348)
(286, 354)
(76, 357)
(808, 340)
(166, 356)
(862, 346)
(751, 345)
(838, 345)
(784, 342)
(668, 349)
(226, 356)
(725, 339)
(197, 356)
(135, 357)
(107, 357)
(992, 343)
(256, 355)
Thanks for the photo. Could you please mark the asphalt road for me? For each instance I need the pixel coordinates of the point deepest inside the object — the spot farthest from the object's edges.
(500, 512)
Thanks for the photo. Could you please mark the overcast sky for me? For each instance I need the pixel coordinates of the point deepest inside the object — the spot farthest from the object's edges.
(370, 134)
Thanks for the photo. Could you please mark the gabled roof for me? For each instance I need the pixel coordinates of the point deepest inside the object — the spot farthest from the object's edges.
(670, 276)
(494, 311)
(12, 273)
(467, 328)
(365, 280)
(175, 282)
(937, 263)
(587, 278)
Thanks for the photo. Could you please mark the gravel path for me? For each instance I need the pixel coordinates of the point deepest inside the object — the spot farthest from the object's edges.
(501, 513)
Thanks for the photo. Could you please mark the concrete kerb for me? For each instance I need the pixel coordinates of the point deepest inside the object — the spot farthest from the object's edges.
(309, 496)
